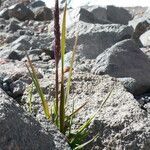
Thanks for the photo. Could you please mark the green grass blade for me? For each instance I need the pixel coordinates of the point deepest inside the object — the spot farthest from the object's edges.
(71, 69)
(30, 96)
(77, 110)
(107, 97)
(63, 47)
(86, 124)
(84, 127)
(86, 143)
(71, 118)
(39, 89)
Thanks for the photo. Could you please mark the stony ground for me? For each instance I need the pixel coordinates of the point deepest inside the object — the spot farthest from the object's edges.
(109, 60)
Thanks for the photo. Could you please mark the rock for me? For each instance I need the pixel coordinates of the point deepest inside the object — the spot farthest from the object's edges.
(9, 53)
(10, 38)
(141, 28)
(42, 14)
(99, 12)
(147, 13)
(12, 27)
(4, 13)
(17, 88)
(82, 14)
(93, 39)
(120, 123)
(21, 131)
(120, 61)
(16, 54)
(120, 118)
(45, 57)
(140, 25)
(118, 15)
(145, 38)
(2, 21)
(21, 12)
(42, 41)
(21, 43)
(36, 4)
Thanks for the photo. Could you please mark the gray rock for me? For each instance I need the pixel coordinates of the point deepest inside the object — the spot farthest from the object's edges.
(22, 43)
(17, 88)
(21, 131)
(42, 14)
(145, 38)
(82, 14)
(45, 57)
(37, 3)
(21, 12)
(121, 124)
(9, 53)
(99, 12)
(42, 41)
(16, 54)
(4, 13)
(120, 61)
(93, 39)
(140, 25)
(118, 15)
(141, 28)
(12, 27)
(2, 21)
(11, 37)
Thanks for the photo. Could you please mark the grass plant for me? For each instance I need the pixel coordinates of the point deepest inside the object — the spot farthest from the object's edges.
(58, 112)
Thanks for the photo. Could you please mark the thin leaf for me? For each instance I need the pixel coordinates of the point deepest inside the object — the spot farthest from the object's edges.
(30, 98)
(89, 121)
(71, 118)
(77, 110)
(39, 89)
(107, 97)
(71, 69)
(63, 47)
(86, 143)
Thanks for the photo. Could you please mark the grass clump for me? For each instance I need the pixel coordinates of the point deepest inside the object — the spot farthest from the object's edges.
(57, 112)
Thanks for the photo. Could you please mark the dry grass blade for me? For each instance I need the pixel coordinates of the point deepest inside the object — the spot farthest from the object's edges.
(71, 69)
(39, 89)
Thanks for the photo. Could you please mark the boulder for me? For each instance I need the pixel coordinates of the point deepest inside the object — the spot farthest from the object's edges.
(140, 29)
(99, 12)
(20, 131)
(42, 14)
(121, 123)
(82, 14)
(140, 25)
(93, 39)
(125, 60)
(145, 38)
(118, 15)
(21, 12)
